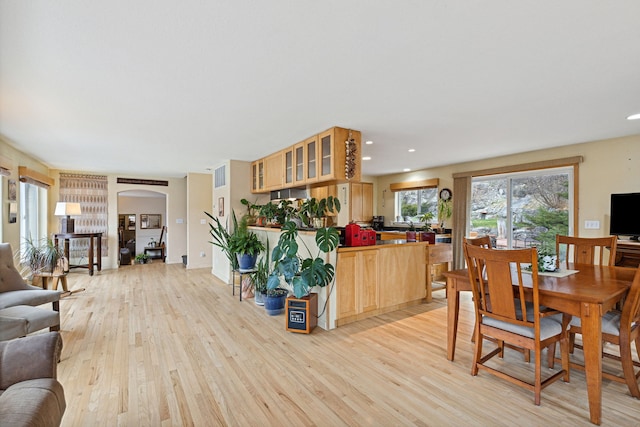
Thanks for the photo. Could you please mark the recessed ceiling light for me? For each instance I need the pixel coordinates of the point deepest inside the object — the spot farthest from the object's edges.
(634, 117)
(366, 158)
(411, 150)
(368, 142)
(406, 170)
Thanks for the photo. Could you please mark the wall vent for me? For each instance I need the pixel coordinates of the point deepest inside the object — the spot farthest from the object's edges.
(219, 176)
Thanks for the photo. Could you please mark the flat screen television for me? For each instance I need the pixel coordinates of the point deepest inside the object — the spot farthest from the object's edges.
(625, 215)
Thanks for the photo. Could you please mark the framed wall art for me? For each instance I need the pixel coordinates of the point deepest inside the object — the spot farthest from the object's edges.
(150, 221)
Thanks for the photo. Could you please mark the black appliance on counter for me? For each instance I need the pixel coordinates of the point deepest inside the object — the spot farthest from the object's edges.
(378, 222)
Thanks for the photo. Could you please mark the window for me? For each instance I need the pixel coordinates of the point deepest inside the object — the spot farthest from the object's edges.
(33, 211)
(411, 205)
(523, 209)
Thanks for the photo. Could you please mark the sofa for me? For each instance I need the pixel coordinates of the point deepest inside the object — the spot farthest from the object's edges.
(30, 394)
(18, 299)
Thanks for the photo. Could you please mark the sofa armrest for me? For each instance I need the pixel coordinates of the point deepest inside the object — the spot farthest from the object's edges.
(32, 357)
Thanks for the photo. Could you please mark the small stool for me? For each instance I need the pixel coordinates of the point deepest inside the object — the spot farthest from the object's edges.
(26, 319)
(47, 278)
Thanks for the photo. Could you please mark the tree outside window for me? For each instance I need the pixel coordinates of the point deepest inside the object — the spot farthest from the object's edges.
(411, 205)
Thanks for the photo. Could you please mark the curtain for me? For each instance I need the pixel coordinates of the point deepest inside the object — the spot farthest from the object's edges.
(91, 192)
(461, 194)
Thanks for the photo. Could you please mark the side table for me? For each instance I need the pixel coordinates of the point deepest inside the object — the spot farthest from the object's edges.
(239, 272)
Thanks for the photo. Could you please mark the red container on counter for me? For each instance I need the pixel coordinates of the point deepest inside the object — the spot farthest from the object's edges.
(352, 235)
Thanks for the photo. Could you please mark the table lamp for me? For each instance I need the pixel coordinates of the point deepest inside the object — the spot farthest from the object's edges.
(66, 210)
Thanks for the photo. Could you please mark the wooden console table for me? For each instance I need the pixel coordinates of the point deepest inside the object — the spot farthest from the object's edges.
(97, 262)
(157, 252)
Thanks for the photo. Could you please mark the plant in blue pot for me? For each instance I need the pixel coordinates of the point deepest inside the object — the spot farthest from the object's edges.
(246, 245)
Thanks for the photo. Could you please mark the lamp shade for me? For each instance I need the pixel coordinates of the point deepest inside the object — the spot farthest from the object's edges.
(66, 209)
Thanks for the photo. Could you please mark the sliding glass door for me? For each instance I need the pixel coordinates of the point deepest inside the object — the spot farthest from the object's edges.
(523, 209)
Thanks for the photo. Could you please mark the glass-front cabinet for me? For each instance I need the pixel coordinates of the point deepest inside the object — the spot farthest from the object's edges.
(288, 167)
(257, 176)
(311, 151)
(326, 141)
(300, 165)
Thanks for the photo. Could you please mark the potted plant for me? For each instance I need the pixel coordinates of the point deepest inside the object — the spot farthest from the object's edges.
(43, 256)
(245, 245)
(260, 276)
(274, 301)
(302, 274)
(445, 210)
(427, 234)
(221, 237)
(268, 211)
(252, 208)
(411, 233)
(313, 211)
(284, 211)
(142, 258)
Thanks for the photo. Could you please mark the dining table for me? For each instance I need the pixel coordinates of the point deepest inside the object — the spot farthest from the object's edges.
(585, 291)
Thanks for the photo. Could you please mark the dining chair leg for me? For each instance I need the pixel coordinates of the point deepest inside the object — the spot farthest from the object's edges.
(477, 355)
(551, 356)
(627, 365)
(538, 381)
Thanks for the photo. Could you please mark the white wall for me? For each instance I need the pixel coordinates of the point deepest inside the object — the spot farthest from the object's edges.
(199, 201)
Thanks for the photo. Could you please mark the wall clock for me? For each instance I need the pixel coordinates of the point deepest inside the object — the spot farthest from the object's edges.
(445, 194)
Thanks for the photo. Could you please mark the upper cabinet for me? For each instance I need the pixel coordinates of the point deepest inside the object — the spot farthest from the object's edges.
(333, 155)
(257, 176)
(274, 171)
(288, 167)
(299, 164)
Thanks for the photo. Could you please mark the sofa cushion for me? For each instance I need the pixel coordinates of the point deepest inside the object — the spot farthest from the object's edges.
(32, 403)
(37, 318)
(28, 297)
(12, 327)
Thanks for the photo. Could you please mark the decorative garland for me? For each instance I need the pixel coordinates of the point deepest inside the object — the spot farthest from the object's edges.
(350, 158)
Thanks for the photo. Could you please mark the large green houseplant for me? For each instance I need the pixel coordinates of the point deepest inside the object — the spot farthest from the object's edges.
(302, 274)
(221, 237)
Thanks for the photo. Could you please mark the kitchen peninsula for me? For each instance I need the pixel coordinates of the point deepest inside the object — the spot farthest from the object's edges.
(371, 280)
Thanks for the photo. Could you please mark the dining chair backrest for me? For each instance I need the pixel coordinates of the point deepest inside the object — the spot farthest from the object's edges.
(501, 274)
(483, 241)
(582, 250)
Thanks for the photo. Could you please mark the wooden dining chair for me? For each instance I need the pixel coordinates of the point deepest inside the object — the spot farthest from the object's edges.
(499, 296)
(583, 250)
(622, 328)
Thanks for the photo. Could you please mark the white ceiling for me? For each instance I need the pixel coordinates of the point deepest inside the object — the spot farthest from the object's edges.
(162, 88)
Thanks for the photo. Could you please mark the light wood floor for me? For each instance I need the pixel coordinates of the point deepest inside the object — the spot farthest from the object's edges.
(159, 345)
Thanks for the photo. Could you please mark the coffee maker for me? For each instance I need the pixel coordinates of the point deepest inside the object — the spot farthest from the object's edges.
(378, 223)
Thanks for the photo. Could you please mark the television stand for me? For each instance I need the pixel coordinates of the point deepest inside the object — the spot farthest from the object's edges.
(628, 253)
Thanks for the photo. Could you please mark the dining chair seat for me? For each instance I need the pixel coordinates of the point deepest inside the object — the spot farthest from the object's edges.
(610, 322)
(548, 327)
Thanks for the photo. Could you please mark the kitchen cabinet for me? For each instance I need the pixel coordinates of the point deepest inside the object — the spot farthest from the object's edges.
(334, 162)
(288, 167)
(300, 165)
(311, 157)
(274, 171)
(361, 201)
(257, 176)
(320, 158)
(372, 280)
(358, 276)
